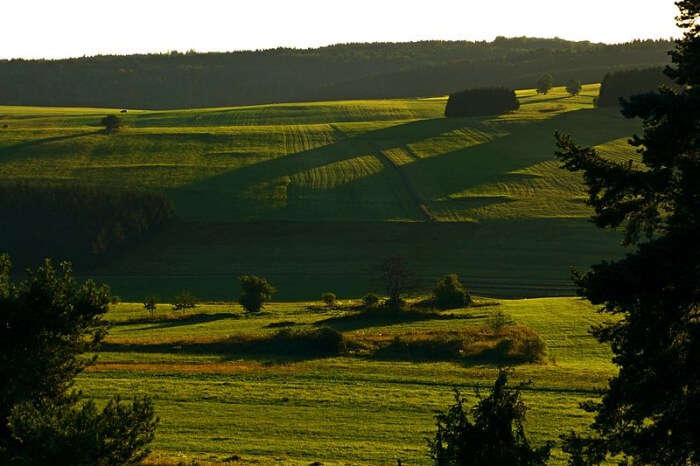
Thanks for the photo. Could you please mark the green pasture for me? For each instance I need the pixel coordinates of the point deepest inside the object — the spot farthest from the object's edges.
(313, 194)
(342, 410)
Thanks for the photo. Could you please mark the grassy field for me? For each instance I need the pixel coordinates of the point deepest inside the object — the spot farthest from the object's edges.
(287, 409)
(314, 194)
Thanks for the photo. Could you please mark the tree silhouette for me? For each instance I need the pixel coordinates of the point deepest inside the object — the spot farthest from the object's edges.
(649, 411)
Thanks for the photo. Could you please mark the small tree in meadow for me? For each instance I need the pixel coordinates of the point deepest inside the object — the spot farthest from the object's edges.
(111, 123)
(573, 87)
(150, 304)
(255, 292)
(329, 299)
(397, 279)
(545, 83)
(490, 433)
(450, 293)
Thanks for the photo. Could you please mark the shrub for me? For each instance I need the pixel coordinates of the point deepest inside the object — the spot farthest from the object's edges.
(450, 293)
(485, 101)
(370, 300)
(183, 301)
(149, 304)
(329, 299)
(256, 291)
(111, 123)
(497, 320)
(532, 349)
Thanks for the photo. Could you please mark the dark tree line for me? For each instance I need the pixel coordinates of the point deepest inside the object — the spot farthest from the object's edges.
(649, 412)
(382, 70)
(75, 221)
(486, 101)
(624, 84)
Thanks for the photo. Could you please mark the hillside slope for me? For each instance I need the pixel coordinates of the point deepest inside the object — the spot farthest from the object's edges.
(313, 194)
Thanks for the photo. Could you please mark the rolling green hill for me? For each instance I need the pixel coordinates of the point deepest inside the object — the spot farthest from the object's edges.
(269, 409)
(312, 195)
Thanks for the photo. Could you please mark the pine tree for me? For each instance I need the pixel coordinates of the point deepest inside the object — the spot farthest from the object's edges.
(649, 411)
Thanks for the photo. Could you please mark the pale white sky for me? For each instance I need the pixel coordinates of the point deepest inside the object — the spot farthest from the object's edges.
(68, 28)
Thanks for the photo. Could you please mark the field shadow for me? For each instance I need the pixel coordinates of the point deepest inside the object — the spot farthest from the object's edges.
(176, 321)
(381, 318)
(11, 152)
(266, 189)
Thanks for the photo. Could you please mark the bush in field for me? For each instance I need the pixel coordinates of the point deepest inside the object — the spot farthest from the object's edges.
(490, 433)
(329, 299)
(450, 293)
(150, 303)
(256, 291)
(573, 87)
(545, 83)
(183, 301)
(486, 101)
(111, 123)
(370, 300)
(497, 321)
(48, 323)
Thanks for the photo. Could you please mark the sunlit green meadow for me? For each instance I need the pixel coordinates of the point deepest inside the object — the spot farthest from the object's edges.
(341, 410)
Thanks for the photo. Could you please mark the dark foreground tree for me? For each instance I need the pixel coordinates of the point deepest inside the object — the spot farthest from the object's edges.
(490, 434)
(545, 83)
(47, 323)
(573, 87)
(650, 410)
(255, 292)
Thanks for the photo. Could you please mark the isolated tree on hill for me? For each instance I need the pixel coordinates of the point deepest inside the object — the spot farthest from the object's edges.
(545, 83)
(573, 87)
(490, 433)
(47, 323)
(111, 123)
(397, 278)
(150, 304)
(255, 292)
(650, 410)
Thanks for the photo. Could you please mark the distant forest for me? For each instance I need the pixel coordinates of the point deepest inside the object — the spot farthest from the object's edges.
(346, 71)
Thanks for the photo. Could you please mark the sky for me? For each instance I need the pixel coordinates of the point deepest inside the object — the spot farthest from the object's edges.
(72, 28)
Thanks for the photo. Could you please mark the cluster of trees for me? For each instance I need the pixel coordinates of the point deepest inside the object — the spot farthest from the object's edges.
(381, 70)
(624, 84)
(79, 222)
(485, 101)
